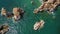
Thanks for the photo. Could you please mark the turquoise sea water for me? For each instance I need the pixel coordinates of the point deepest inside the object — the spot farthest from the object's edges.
(25, 25)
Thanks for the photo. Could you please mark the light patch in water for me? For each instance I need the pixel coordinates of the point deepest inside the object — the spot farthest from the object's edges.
(53, 14)
(41, 1)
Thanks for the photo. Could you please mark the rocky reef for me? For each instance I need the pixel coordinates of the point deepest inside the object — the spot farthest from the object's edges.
(48, 5)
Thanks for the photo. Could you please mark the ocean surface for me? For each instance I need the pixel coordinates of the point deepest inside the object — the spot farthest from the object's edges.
(25, 25)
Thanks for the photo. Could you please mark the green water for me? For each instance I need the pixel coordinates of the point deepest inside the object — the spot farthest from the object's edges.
(25, 25)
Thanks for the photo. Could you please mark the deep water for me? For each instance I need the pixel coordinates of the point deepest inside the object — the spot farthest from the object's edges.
(25, 25)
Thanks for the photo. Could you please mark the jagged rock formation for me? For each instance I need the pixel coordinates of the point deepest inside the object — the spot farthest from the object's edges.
(4, 29)
(48, 5)
(17, 13)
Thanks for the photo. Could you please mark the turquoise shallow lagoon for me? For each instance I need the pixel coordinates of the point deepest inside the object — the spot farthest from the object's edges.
(25, 25)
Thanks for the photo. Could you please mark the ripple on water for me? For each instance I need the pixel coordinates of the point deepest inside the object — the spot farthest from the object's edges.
(12, 31)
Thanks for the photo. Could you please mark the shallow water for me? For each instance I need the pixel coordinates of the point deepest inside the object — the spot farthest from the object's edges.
(25, 25)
